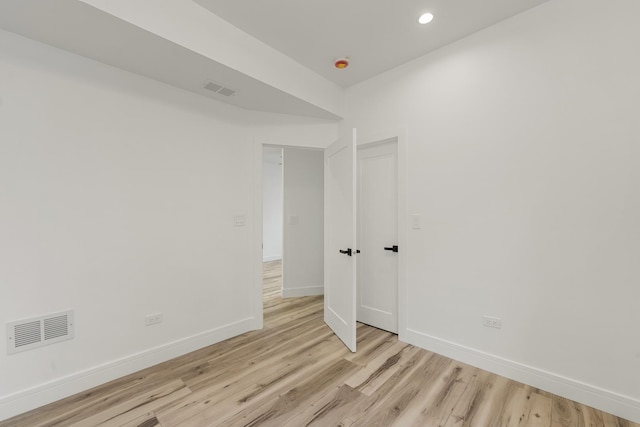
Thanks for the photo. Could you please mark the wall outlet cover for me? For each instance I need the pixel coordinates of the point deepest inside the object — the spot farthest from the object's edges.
(152, 319)
(492, 322)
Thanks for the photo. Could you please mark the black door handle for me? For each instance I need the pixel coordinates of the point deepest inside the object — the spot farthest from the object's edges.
(394, 248)
(347, 252)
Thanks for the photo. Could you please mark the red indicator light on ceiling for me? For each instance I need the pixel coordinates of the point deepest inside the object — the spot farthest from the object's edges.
(341, 64)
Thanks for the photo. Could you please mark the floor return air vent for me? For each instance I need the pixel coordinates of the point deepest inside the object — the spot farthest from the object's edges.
(36, 332)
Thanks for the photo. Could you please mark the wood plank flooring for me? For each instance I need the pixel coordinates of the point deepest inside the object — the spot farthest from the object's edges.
(295, 372)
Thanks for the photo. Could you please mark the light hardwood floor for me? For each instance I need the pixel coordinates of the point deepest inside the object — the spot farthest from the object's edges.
(295, 372)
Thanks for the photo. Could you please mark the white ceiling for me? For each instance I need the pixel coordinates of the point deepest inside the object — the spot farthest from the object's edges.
(376, 34)
(84, 30)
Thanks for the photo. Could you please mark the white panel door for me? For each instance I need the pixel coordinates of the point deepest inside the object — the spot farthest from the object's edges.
(377, 275)
(340, 240)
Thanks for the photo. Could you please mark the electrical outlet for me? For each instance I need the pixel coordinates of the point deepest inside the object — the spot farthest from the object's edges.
(492, 322)
(152, 319)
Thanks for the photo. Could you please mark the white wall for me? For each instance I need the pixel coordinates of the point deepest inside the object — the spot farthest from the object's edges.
(118, 196)
(294, 131)
(303, 264)
(272, 204)
(524, 162)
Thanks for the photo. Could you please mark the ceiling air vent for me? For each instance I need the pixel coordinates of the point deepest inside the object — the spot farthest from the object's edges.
(39, 331)
(218, 88)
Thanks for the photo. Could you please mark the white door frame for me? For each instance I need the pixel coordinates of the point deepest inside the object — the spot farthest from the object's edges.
(257, 312)
(399, 136)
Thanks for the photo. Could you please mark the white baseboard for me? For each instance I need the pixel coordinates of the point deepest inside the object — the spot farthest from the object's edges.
(605, 400)
(302, 292)
(26, 400)
(271, 258)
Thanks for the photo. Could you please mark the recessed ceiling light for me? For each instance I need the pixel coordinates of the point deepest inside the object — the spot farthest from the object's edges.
(425, 18)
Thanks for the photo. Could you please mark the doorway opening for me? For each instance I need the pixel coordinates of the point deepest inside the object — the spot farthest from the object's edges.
(272, 221)
(293, 220)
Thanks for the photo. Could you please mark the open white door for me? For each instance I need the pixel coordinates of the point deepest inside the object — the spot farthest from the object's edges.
(340, 239)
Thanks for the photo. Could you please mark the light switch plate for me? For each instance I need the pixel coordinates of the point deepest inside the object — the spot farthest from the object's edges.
(416, 221)
(240, 220)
